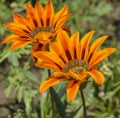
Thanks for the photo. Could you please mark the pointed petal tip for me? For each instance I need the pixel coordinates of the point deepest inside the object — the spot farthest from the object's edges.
(92, 32)
(72, 90)
(70, 100)
(97, 76)
(2, 42)
(65, 6)
(49, 1)
(111, 50)
(13, 48)
(41, 90)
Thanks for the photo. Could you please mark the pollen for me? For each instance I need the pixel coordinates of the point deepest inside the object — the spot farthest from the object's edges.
(43, 29)
(76, 66)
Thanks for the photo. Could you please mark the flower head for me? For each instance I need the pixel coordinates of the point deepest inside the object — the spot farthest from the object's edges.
(40, 26)
(73, 60)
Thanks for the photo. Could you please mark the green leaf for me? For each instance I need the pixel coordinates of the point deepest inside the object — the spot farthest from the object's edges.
(14, 60)
(5, 53)
(30, 76)
(58, 103)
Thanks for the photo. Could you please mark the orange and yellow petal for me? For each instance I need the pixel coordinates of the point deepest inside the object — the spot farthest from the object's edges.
(85, 45)
(60, 14)
(49, 82)
(72, 89)
(97, 76)
(50, 58)
(62, 41)
(11, 38)
(42, 64)
(21, 20)
(19, 44)
(74, 46)
(31, 18)
(100, 56)
(54, 48)
(95, 45)
(50, 13)
(39, 8)
(62, 21)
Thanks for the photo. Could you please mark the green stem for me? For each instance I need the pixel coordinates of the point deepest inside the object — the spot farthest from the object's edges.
(83, 102)
(52, 98)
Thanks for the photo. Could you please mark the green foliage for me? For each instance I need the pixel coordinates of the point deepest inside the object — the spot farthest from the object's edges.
(23, 78)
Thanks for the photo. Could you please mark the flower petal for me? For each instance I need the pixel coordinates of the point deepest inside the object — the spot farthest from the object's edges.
(60, 14)
(50, 58)
(50, 13)
(49, 82)
(74, 45)
(42, 64)
(62, 41)
(95, 45)
(19, 44)
(85, 45)
(10, 38)
(72, 89)
(100, 56)
(97, 76)
(62, 21)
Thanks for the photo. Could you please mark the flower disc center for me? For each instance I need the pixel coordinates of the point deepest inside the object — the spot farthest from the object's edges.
(76, 66)
(43, 29)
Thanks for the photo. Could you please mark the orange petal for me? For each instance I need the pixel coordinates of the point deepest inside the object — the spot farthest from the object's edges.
(17, 30)
(38, 47)
(97, 76)
(85, 45)
(42, 64)
(39, 8)
(50, 58)
(19, 26)
(62, 41)
(61, 13)
(19, 44)
(44, 17)
(49, 82)
(61, 21)
(76, 46)
(30, 15)
(20, 19)
(67, 29)
(10, 38)
(50, 13)
(54, 48)
(100, 56)
(30, 11)
(72, 89)
(95, 45)
(39, 55)
(38, 13)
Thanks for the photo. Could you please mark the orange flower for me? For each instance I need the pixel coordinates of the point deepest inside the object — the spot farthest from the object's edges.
(73, 60)
(40, 26)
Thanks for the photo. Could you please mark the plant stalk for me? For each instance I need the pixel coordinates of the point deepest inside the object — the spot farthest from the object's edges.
(52, 98)
(83, 102)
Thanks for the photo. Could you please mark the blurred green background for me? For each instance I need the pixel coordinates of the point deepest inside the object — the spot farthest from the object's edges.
(20, 79)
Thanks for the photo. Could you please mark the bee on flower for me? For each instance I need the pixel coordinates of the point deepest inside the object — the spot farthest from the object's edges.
(73, 60)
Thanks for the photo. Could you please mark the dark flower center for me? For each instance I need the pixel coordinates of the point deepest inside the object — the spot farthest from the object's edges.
(43, 29)
(77, 66)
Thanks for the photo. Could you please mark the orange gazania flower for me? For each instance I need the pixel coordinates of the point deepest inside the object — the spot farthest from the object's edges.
(73, 60)
(40, 25)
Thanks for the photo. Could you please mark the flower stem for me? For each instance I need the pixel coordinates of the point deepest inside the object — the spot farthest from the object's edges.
(83, 102)
(52, 98)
